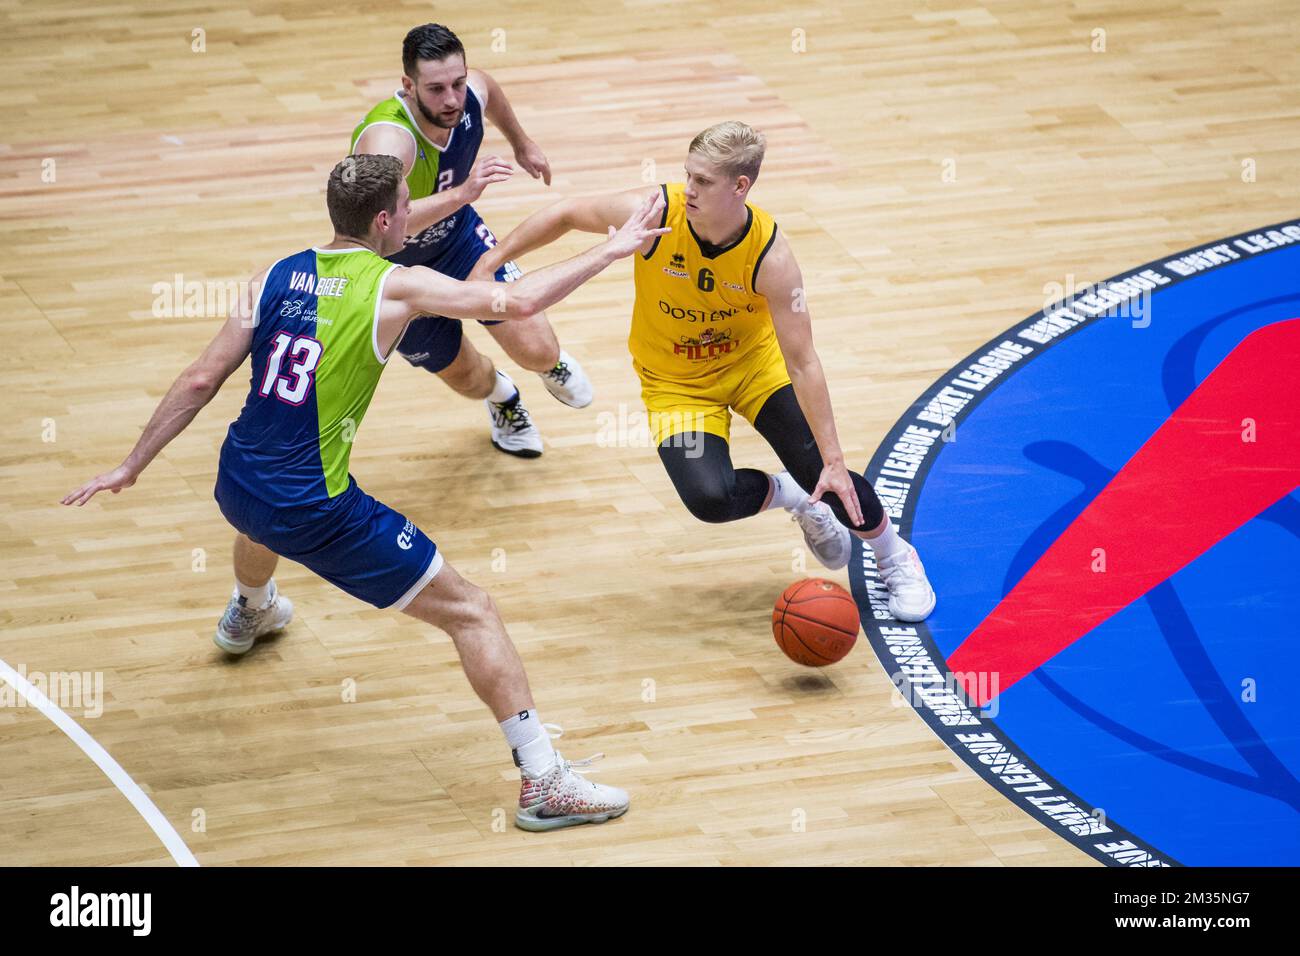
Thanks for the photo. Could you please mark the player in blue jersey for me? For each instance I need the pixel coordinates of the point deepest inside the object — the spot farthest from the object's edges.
(434, 125)
(320, 326)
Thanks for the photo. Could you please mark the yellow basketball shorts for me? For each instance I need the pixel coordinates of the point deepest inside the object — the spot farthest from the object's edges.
(705, 405)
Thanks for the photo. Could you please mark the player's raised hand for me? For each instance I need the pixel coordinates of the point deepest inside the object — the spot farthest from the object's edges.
(532, 160)
(114, 481)
(488, 170)
(640, 227)
(835, 478)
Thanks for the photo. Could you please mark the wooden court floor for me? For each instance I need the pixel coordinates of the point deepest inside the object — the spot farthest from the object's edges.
(939, 169)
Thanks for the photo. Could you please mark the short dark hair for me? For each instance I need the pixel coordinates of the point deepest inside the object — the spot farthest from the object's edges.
(359, 188)
(432, 41)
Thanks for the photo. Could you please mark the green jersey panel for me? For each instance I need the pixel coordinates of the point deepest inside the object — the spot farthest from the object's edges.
(422, 180)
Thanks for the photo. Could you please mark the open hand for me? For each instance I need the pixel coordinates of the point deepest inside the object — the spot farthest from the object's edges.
(638, 229)
(114, 481)
(488, 170)
(835, 478)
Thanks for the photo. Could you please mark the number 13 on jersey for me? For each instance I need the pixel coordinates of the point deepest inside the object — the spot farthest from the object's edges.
(292, 385)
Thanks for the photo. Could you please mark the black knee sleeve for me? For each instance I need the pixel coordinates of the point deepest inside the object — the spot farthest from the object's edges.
(711, 489)
(781, 421)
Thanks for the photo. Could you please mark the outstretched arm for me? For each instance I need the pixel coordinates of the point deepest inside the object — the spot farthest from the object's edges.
(421, 291)
(586, 214)
(781, 283)
(192, 389)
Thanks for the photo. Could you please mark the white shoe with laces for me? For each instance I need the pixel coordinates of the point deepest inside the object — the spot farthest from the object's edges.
(910, 596)
(513, 431)
(822, 532)
(241, 626)
(562, 797)
(568, 382)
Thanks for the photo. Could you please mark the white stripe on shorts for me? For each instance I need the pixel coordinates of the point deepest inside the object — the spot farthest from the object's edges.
(435, 565)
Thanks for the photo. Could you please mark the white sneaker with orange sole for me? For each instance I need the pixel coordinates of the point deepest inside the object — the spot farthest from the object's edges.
(563, 797)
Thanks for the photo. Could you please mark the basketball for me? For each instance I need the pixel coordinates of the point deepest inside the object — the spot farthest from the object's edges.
(815, 622)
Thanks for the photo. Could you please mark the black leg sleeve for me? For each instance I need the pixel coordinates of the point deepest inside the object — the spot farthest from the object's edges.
(699, 465)
(781, 421)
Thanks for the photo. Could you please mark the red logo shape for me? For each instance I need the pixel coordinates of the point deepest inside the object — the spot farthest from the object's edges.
(1229, 452)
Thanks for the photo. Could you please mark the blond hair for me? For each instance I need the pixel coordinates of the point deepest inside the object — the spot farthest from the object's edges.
(734, 147)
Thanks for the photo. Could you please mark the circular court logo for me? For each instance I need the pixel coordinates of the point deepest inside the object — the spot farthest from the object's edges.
(1105, 498)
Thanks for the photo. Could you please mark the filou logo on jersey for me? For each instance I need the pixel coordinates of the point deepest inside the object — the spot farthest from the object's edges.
(331, 286)
(707, 345)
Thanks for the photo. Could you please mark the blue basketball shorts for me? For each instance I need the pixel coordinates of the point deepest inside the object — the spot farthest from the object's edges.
(356, 543)
(432, 342)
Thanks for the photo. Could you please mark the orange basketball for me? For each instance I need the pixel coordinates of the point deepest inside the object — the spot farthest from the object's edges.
(815, 622)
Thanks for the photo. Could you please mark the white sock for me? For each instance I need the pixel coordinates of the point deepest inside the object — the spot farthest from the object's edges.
(786, 492)
(530, 742)
(256, 598)
(504, 390)
(887, 543)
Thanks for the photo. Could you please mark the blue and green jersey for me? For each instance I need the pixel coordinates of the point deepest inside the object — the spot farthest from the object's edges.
(436, 168)
(315, 365)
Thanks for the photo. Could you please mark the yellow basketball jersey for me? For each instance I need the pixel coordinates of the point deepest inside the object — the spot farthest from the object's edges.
(696, 311)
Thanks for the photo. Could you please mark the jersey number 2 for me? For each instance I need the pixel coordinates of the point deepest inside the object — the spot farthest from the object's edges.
(293, 385)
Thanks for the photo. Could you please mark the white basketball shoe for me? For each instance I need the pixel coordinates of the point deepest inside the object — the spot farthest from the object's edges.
(241, 626)
(562, 797)
(826, 538)
(513, 431)
(568, 382)
(910, 596)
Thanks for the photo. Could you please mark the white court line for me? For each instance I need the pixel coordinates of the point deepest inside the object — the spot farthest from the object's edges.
(112, 769)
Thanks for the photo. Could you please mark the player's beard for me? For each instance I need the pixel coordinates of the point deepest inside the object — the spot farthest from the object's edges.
(437, 119)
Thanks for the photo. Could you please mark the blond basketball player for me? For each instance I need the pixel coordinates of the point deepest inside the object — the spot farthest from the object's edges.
(719, 325)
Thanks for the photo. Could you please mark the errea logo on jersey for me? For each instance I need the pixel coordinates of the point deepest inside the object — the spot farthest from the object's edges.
(331, 286)
(677, 266)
